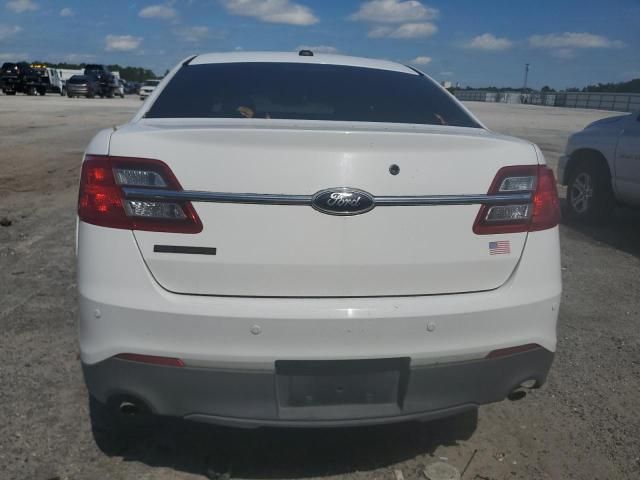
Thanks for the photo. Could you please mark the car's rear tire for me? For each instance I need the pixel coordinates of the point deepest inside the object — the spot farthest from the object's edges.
(589, 193)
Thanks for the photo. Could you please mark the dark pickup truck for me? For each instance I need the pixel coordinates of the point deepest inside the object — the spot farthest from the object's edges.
(107, 82)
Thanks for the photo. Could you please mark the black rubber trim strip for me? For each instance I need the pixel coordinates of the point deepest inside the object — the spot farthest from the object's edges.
(182, 249)
(188, 61)
(415, 70)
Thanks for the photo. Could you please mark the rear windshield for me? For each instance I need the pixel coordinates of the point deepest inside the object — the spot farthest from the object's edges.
(151, 83)
(306, 92)
(78, 79)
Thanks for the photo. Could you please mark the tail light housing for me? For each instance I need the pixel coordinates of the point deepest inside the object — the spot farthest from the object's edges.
(102, 201)
(540, 213)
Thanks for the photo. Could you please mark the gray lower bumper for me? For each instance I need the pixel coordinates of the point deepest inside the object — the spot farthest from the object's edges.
(255, 398)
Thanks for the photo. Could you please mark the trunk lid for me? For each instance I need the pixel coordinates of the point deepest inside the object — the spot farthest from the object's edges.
(297, 251)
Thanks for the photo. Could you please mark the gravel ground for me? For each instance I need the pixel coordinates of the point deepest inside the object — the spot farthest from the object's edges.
(585, 423)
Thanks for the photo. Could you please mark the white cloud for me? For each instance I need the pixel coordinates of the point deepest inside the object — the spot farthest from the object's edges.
(489, 42)
(379, 32)
(21, 6)
(272, 11)
(317, 48)
(13, 57)
(563, 53)
(7, 31)
(422, 60)
(573, 40)
(78, 57)
(67, 12)
(162, 12)
(394, 11)
(446, 74)
(123, 43)
(192, 34)
(406, 30)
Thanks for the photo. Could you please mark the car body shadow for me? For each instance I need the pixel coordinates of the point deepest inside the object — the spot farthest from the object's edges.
(222, 452)
(621, 231)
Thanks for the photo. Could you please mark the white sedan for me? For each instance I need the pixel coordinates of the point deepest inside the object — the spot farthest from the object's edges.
(312, 240)
(148, 87)
(601, 167)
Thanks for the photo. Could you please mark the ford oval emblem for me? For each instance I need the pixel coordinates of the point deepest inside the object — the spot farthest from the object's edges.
(343, 201)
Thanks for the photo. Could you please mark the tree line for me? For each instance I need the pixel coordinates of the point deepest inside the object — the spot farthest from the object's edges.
(632, 86)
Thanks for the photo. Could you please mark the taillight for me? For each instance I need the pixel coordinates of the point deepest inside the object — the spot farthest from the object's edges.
(102, 201)
(541, 212)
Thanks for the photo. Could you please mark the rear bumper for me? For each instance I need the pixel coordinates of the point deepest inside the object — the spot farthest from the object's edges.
(259, 398)
(81, 90)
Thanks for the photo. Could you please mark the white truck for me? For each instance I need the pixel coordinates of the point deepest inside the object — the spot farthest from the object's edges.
(601, 168)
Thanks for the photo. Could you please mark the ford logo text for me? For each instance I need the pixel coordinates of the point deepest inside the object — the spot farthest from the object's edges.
(343, 201)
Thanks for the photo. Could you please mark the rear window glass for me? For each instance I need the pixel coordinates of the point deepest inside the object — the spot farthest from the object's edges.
(306, 92)
(78, 79)
(151, 83)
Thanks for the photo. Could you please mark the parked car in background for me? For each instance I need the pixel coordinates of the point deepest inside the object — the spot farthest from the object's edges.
(120, 89)
(11, 77)
(83, 86)
(148, 86)
(601, 167)
(107, 81)
(132, 88)
(339, 243)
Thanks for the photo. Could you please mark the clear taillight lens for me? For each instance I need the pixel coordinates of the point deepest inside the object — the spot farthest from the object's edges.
(102, 201)
(508, 213)
(525, 183)
(139, 178)
(147, 209)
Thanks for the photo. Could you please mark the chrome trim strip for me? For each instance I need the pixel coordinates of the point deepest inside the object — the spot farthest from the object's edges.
(479, 199)
(282, 199)
(216, 197)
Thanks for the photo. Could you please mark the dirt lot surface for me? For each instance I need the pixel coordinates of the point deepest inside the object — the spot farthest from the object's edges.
(584, 423)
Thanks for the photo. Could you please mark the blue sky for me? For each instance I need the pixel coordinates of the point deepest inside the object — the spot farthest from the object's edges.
(567, 43)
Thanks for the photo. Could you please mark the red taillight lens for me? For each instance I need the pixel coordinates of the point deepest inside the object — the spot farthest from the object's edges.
(546, 206)
(102, 202)
(540, 213)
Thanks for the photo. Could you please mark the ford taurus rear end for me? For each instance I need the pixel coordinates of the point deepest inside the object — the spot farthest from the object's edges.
(319, 240)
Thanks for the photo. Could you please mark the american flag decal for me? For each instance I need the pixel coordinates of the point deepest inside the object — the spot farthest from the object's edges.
(500, 247)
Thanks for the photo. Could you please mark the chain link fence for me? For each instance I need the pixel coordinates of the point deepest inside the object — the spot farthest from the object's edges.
(619, 102)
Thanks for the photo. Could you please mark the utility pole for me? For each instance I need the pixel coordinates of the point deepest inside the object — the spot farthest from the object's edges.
(526, 77)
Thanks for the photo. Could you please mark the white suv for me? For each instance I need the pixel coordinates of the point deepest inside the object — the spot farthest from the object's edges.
(312, 240)
(147, 88)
